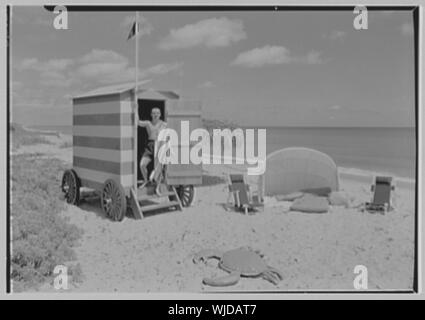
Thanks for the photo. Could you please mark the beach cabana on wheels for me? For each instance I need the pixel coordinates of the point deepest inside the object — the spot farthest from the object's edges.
(108, 145)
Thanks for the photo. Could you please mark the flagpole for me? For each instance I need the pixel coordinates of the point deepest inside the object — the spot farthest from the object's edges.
(136, 107)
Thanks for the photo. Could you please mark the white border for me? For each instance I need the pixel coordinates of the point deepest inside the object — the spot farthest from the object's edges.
(155, 296)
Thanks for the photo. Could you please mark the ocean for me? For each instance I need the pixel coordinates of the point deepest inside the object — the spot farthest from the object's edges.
(386, 150)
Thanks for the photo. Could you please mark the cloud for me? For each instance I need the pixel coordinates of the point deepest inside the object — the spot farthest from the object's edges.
(272, 55)
(50, 65)
(36, 97)
(48, 84)
(207, 85)
(214, 32)
(163, 68)
(28, 63)
(55, 78)
(261, 56)
(100, 56)
(97, 66)
(145, 27)
(34, 103)
(58, 64)
(335, 107)
(407, 29)
(107, 66)
(52, 72)
(335, 35)
(313, 57)
(105, 73)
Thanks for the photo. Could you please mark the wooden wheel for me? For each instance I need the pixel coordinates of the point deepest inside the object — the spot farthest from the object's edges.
(71, 187)
(113, 200)
(186, 194)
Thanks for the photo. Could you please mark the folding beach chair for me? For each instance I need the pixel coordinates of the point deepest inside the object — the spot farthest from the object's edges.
(381, 200)
(243, 198)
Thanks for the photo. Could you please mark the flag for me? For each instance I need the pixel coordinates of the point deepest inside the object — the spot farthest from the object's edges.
(133, 31)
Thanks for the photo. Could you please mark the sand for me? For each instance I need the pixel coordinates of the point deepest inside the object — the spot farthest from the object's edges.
(313, 251)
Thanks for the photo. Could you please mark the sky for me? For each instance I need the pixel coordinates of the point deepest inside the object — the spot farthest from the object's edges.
(269, 68)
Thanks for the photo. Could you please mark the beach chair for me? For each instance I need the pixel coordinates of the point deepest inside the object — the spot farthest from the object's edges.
(381, 199)
(241, 196)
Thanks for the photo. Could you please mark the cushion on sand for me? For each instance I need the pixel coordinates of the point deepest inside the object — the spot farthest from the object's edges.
(310, 203)
(289, 197)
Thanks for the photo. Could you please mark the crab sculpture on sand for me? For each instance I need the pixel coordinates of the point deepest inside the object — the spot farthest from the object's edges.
(239, 262)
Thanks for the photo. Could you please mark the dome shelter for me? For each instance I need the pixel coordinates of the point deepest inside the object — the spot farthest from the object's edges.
(294, 169)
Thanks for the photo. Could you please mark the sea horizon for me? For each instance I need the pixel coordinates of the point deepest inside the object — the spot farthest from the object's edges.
(390, 150)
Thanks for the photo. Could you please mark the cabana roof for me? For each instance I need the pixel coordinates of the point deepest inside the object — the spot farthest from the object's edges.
(143, 93)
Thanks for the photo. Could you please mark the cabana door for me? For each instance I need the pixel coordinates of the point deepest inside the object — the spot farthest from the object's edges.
(145, 107)
(178, 111)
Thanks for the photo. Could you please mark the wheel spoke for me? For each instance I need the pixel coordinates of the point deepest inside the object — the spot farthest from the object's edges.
(113, 200)
(108, 189)
(67, 185)
(185, 194)
(70, 187)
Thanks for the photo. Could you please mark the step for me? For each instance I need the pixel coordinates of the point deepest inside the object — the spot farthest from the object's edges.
(145, 196)
(160, 205)
(147, 189)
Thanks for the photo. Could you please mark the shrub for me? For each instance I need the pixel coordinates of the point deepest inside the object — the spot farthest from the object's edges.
(210, 125)
(66, 144)
(21, 137)
(27, 140)
(41, 238)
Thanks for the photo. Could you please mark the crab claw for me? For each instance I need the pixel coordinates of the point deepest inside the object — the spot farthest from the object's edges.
(273, 275)
(271, 278)
(204, 255)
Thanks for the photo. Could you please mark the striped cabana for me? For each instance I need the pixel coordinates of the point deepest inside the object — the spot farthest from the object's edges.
(103, 134)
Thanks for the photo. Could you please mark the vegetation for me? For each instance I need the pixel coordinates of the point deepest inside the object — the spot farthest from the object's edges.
(209, 125)
(41, 237)
(66, 144)
(21, 137)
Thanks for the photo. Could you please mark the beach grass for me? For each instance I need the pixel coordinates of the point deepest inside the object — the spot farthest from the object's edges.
(40, 237)
(66, 144)
(21, 137)
(211, 124)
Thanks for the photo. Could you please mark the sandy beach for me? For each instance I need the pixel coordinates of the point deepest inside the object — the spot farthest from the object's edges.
(313, 251)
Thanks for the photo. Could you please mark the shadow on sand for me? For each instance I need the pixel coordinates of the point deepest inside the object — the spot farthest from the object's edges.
(208, 180)
(92, 205)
